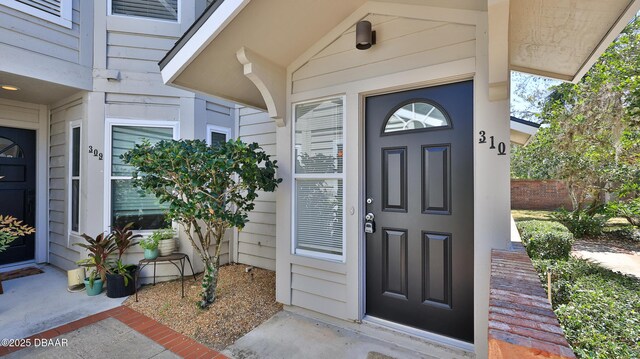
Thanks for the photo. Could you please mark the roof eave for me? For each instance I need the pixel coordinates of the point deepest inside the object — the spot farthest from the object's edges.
(213, 21)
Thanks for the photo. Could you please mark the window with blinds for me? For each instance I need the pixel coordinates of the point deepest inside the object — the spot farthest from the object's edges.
(319, 178)
(74, 200)
(52, 7)
(55, 11)
(130, 204)
(155, 9)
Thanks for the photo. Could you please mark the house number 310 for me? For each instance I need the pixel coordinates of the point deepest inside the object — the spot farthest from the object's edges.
(95, 152)
(502, 147)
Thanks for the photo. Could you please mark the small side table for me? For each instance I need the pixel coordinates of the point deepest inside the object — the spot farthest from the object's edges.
(173, 258)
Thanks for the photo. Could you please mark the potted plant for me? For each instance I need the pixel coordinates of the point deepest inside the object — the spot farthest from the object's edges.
(99, 249)
(166, 242)
(120, 282)
(150, 246)
(10, 230)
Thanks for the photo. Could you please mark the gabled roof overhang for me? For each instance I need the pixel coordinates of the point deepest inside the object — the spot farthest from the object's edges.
(240, 50)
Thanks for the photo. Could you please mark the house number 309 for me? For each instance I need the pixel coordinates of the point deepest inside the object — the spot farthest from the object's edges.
(95, 152)
(502, 147)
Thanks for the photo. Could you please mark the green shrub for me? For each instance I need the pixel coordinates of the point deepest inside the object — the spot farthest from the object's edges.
(527, 228)
(599, 310)
(549, 245)
(580, 222)
(545, 239)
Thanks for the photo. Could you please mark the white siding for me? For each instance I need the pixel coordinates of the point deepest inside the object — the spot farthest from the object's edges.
(257, 241)
(62, 253)
(402, 44)
(24, 31)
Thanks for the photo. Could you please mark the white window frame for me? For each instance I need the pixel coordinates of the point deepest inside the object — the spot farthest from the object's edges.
(73, 125)
(217, 129)
(66, 12)
(319, 176)
(177, 20)
(109, 124)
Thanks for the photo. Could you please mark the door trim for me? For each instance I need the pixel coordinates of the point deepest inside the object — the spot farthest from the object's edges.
(422, 334)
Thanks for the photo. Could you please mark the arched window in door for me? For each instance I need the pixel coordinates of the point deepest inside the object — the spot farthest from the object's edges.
(416, 115)
(10, 149)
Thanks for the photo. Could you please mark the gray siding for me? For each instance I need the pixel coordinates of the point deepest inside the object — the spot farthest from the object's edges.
(404, 48)
(25, 31)
(257, 241)
(136, 52)
(62, 253)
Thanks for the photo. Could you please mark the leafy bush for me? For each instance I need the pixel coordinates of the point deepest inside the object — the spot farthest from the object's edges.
(527, 228)
(598, 309)
(549, 245)
(580, 222)
(545, 240)
(629, 210)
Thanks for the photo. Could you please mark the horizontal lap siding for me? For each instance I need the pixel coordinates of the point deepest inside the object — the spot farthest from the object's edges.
(136, 52)
(142, 106)
(400, 46)
(61, 252)
(24, 31)
(257, 241)
(319, 290)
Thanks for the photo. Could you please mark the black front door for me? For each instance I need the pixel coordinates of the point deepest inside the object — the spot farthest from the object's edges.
(18, 188)
(419, 188)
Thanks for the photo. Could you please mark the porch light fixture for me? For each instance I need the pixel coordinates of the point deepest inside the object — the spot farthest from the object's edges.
(365, 38)
(9, 87)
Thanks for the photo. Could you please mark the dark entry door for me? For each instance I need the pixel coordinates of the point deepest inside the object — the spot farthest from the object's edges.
(419, 190)
(18, 188)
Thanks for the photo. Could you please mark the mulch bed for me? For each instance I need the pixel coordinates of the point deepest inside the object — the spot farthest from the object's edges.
(244, 300)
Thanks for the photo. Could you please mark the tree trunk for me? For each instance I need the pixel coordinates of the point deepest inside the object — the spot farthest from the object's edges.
(210, 282)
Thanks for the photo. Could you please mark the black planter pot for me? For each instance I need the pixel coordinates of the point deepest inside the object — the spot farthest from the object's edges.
(116, 287)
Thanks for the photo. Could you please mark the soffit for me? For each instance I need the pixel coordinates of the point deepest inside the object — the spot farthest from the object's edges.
(557, 38)
(34, 90)
(278, 30)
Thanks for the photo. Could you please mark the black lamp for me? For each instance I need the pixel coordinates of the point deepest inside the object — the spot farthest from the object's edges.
(365, 38)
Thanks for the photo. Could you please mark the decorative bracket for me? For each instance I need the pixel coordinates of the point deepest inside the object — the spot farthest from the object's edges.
(270, 80)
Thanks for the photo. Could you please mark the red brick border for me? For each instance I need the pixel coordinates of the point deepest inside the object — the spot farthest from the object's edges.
(522, 323)
(177, 343)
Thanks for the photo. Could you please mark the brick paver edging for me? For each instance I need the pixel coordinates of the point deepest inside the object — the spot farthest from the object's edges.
(522, 323)
(177, 343)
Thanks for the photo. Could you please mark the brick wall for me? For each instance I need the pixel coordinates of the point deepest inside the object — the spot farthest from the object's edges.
(522, 323)
(538, 194)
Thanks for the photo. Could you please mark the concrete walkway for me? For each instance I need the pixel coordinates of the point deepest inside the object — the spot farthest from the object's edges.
(617, 257)
(116, 333)
(40, 302)
(290, 335)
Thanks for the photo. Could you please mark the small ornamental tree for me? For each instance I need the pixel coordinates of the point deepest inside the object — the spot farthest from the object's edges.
(209, 189)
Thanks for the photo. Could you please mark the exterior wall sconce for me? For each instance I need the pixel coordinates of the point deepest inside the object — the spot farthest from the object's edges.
(365, 38)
